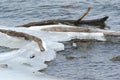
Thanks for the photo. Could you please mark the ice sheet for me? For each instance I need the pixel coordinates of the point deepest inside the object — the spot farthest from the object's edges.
(25, 62)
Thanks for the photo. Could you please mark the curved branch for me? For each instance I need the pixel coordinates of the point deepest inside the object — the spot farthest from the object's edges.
(26, 36)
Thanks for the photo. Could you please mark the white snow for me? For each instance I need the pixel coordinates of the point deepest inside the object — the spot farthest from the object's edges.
(20, 64)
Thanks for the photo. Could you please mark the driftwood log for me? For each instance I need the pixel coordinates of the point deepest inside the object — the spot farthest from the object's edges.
(95, 22)
(26, 36)
(112, 36)
(115, 58)
(66, 29)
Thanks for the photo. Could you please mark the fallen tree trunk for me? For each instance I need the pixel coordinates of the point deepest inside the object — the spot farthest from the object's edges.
(106, 32)
(113, 36)
(66, 29)
(26, 36)
(95, 22)
(109, 35)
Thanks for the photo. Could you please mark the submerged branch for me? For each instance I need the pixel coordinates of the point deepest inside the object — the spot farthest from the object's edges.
(26, 36)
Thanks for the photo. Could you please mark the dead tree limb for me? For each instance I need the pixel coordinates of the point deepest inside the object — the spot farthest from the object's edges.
(26, 36)
(81, 29)
(95, 22)
(66, 29)
(110, 36)
(113, 36)
(86, 12)
(105, 32)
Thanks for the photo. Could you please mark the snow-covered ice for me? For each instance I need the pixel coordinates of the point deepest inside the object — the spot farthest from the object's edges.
(21, 65)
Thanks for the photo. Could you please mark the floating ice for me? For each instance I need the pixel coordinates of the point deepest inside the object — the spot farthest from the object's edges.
(24, 62)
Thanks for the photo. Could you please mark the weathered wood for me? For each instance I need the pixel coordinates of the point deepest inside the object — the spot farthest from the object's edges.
(86, 12)
(113, 36)
(66, 29)
(115, 58)
(81, 29)
(106, 32)
(95, 22)
(26, 36)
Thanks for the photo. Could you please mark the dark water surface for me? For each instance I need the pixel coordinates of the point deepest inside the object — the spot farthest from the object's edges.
(92, 62)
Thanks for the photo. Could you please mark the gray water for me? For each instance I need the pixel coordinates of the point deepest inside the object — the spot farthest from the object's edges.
(17, 12)
(91, 62)
(93, 59)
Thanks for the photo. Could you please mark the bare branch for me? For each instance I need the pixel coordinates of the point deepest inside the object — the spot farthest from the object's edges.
(86, 12)
(26, 36)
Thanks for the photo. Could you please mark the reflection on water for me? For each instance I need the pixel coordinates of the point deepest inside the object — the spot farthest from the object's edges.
(92, 62)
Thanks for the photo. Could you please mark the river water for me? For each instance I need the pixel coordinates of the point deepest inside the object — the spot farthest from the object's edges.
(91, 62)
(93, 59)
(17, 12)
